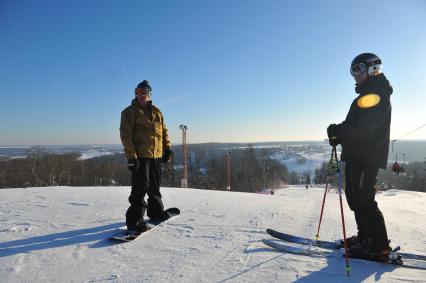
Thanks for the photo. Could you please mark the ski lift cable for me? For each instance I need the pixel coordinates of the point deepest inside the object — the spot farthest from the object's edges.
(404, 136)
(415, 130)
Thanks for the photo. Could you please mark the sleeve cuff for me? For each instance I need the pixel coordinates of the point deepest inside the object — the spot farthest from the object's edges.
(132, 156)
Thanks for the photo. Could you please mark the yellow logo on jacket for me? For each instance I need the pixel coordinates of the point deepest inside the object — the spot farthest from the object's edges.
(368, 100)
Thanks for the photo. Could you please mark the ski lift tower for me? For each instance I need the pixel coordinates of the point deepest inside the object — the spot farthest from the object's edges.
(184, 181)
(228, 171)
(424, 176)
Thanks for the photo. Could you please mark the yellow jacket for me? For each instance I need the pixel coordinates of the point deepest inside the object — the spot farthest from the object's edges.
(143, 133)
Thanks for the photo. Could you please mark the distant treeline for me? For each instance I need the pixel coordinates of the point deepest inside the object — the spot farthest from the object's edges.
(42, 168)
(412, 178)
(251, 171)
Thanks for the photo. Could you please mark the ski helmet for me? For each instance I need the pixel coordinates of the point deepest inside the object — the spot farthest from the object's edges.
(366, 62)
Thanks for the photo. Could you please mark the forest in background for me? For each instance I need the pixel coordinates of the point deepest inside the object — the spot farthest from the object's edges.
(252, 170)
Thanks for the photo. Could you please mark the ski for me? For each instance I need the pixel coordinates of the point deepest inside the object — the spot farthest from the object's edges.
(301, 249)
(328, 244)
(125, 236)
(303, 241)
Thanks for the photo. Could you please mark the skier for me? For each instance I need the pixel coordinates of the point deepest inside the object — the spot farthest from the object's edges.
(364, 136)
(146, 145)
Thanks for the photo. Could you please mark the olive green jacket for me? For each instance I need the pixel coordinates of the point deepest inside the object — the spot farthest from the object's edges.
(143, 133)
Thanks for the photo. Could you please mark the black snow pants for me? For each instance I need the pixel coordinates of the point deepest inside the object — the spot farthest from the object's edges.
(360, 194)
(145, 181)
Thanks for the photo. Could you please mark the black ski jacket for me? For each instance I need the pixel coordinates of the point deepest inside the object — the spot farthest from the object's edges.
(364, 134)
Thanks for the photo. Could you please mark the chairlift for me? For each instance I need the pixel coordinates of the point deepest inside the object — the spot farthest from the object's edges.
(397, 168)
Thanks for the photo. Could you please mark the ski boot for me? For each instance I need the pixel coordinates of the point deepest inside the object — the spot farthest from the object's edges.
(351, 241)
(364, 250)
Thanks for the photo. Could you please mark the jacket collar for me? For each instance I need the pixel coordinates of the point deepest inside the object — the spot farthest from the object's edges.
(377, 84)
(136, 103)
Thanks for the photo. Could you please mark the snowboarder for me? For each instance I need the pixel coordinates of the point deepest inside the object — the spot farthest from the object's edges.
(364, 136)
(146, 145)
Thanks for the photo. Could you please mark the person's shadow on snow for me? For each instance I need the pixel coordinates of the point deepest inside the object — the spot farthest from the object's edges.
(360, 270)
(100, 234)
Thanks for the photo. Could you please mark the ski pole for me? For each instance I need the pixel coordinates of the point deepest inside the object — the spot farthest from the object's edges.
(322, 207)
(325, 194)
(340, 184)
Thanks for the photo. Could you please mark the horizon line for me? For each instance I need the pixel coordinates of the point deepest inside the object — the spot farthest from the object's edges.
(174, 144)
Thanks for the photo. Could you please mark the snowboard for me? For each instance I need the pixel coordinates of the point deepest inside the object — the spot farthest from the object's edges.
(310, 247)
(124, 236)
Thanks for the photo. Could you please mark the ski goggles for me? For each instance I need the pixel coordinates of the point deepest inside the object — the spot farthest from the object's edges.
(358, 69)
(373, 64)
(142, 91)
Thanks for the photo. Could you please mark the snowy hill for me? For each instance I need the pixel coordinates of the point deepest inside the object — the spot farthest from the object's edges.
(59, 234)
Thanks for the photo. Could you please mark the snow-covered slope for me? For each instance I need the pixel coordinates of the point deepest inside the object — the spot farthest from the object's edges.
(60, 235)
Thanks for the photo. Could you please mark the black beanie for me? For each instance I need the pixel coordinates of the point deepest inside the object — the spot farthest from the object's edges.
(144, 84)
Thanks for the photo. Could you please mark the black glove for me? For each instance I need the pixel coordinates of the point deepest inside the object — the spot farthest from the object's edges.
(133, 165)
(330, 130)
(333, 140)
(167, 156)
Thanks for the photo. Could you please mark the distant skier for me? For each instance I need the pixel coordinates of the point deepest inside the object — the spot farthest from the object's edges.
(146, 144)
(364, 136)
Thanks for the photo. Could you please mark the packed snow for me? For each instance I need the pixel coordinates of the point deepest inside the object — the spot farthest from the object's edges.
(60, 234)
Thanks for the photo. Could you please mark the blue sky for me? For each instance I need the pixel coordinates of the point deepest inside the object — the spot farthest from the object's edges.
(233, 71)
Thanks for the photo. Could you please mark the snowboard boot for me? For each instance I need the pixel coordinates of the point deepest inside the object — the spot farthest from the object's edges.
(142, 227)
(139, 228)
(365, 250)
